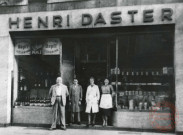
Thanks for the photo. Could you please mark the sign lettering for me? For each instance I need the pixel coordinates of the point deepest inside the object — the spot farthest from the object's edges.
(91, 19)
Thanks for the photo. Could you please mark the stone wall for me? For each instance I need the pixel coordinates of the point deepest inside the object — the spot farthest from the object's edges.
(42, 5)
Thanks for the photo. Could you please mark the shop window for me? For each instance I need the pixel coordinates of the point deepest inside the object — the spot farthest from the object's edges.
(38, 67)
(145, 71)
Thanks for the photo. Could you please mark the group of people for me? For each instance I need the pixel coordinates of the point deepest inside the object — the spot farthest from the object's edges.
(94, 100)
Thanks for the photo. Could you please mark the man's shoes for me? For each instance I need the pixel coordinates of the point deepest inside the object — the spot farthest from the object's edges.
(93, 124)
(88, 125)
(103, 124)
(79, 123)
(52, 128)
(63, 128)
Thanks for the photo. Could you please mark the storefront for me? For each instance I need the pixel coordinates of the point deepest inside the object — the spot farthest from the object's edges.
(138, 48)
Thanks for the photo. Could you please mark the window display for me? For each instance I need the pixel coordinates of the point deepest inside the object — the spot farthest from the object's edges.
(36, 71)
(143, 73)
(143, 90)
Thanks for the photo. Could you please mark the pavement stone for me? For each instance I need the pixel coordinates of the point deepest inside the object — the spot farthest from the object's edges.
(17, 130)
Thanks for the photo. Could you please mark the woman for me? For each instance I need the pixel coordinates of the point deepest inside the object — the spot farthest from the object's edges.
(92, 99)
(106, 104)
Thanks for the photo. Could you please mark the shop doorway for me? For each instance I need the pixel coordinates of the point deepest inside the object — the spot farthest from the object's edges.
(84, 58)
(90, 60)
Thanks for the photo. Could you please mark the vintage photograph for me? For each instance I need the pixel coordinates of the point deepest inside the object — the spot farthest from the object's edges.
(111, 67)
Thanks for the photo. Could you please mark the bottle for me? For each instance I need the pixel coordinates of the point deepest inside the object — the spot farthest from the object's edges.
(140, 106)
(46, 80)
(118, 71)
(30, 101)
(25, 87)
(27, 101)
(132, 79)
(137, 77)
(36, 80)
(40, 101)
(146, 77)
(122, 77)
(35, 101)
(122, 73)
(127, 77)
(157, 76)
(44, 102)
(39, 84)
(152, 75)
(21, 88)
(145, 105)
(41, 80)
(131, 104)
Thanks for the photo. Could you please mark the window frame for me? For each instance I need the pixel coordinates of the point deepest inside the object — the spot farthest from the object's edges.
(60, 1)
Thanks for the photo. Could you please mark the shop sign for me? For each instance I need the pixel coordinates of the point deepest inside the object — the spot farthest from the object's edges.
(22, 47)
(92, 18)
(51, 47)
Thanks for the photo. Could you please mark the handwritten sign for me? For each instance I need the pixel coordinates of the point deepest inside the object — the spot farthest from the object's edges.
(51, 47)
(22, 47)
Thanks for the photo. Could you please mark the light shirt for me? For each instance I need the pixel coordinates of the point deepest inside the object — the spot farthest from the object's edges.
(58, 90)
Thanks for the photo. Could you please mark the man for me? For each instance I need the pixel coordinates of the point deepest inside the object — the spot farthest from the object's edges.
(92, 100)
(75, 100)
(58, 93)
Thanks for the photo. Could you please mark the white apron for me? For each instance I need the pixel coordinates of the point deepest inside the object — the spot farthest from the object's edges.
(92, 98)
(106, 101)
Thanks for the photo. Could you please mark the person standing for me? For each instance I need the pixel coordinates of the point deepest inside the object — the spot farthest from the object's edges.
(92, 100)
(75, 100)
(58, 93)
(106, 104)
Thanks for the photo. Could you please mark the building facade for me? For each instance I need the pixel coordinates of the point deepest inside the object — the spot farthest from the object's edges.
(137, 44)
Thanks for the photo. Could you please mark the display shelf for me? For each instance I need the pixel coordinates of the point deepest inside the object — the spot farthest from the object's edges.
(33, 107)
(142, 84)
(127, 110)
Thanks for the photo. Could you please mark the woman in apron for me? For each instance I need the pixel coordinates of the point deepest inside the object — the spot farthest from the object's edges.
(106, 104)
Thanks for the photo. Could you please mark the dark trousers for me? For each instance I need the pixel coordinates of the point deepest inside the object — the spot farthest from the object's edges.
(58, 113)
(78, 116)
(91, 117)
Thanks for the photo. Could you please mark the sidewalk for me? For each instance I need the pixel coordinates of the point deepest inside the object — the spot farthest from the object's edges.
(16, 130)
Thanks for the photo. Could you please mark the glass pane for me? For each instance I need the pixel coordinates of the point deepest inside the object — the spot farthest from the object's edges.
(146, 71)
